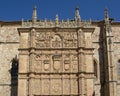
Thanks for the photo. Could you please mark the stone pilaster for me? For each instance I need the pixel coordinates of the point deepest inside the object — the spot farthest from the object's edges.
(110, 66)
(81, 68)
(32, 50)
(32, 38)
(86, 73)
(31, 85)
(23, 63)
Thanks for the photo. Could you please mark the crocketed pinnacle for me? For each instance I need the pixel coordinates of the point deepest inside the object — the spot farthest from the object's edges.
(34, 15)
(77, 15)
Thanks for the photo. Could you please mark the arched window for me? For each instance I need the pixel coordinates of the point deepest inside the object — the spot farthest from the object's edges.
(95, 69)
(118, 69)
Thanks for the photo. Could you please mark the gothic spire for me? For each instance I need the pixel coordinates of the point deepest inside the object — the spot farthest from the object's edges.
(34, 15)
(77, 15)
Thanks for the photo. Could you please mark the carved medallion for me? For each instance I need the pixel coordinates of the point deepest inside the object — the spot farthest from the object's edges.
(38, 57)
(45, 86)
(56, 42)
(46, 65)
(75, 66)
(56, 86)
(67, 64)
(37, 66)
(56, 64)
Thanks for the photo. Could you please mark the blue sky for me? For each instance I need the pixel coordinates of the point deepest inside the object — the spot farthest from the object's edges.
(17, 9)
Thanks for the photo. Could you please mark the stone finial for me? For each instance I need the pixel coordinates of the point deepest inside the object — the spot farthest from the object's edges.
(107, 21)
(77, 15)
(34, 15)
(22, 22)
(56, 20)
(106, 16)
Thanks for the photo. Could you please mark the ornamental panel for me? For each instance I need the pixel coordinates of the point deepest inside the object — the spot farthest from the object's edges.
(37, 86)
(56, 40)
(55, 62)
(45, 86)
(56, 88)
(66, 86)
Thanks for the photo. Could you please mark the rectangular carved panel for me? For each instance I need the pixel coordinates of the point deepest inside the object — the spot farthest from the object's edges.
(37, 86)
(59, 40)
(74, 86)
(56, 87)
(45, 63)
(45, 87)
(66, 86)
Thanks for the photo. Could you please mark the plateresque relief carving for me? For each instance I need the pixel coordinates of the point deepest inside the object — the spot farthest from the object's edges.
(56, 42)
(56, 62)
(59, 40)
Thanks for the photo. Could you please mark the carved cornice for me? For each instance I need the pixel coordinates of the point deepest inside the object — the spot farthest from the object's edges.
(60, 24)
(23, 76)
(86, 29)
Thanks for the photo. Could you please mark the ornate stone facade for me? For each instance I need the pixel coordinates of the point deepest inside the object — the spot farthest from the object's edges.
(60, 57)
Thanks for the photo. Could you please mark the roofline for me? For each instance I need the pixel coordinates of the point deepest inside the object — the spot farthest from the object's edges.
(10, 22)
(95, 22)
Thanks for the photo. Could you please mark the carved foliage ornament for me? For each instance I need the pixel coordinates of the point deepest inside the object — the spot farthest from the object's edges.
(59, 40)
(57, 62)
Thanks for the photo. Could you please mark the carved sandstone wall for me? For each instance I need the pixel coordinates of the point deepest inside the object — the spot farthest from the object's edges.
(98, 55)
(9, 44)
(116, 47)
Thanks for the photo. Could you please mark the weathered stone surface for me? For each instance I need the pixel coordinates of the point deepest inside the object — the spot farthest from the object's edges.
(9, 44)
